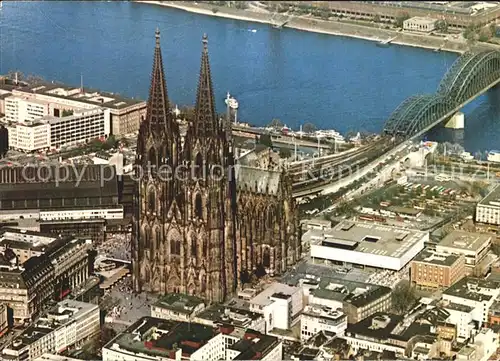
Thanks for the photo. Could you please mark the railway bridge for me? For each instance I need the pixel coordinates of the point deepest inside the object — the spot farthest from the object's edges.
(470, 76)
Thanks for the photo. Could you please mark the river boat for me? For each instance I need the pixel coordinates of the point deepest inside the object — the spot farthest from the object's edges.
(232, 102)
(330, 134)
(494, 156)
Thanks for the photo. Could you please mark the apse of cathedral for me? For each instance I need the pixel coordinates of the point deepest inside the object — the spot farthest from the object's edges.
(214, 218)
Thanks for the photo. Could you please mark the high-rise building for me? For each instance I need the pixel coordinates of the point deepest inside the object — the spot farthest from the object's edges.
(202, 221)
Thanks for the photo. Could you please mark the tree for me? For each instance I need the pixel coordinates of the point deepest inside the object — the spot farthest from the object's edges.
(245, 277)
(376, 18)
(442, 26)
(260, 271)
(309, 128)
(276, 123)
(67, 112)
(285, 153)
(403, 297)
(401, 18)
(265, 139)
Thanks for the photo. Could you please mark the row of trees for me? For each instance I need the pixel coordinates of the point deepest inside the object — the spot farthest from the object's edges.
(306, 127)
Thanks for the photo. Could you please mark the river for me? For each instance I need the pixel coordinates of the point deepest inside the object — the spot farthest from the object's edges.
(346, 84)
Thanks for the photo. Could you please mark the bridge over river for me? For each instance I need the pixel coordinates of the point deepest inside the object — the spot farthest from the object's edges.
(471, 75)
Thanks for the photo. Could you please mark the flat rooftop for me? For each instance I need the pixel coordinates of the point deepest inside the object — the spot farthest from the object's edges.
(492, 199)
(158, 337)
(63, 313)
(422, 20)
(469, 241)
(178, 302)
(471, 288)
(436, 258)
(362, 237)
(88, 96)
(234, 316)
(274, 290)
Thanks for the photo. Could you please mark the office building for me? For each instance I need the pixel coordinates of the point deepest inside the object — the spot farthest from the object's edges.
(488, 209)
(177, 307)
(70, 323)
(280, 304)
(366, 244)
(26, 287)
(26, 102)
(473, 246)
(79, 127)
(421, 24)
(317, 318)
(480, 294)
(153, 338)
(432, 269)
(220, 315)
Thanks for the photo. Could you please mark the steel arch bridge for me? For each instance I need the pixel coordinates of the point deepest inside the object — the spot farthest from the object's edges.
(469, 76)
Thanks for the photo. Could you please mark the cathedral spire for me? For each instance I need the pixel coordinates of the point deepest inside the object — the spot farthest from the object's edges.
(158, 113)
(205, 122)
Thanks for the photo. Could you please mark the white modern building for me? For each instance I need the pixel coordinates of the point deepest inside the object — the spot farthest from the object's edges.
(479, 294)
(366, 244)
(29, 136)
(69, 323)
(151, 339)
(21, 109)
(280, 304)
(33, 102)
(317, 318)
(55, 357)
(484, 346)
(474, 246)
(488, 209)
(420, 24)
(49, 131)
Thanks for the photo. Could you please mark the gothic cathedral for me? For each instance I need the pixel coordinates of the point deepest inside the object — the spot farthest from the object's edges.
(202, 218)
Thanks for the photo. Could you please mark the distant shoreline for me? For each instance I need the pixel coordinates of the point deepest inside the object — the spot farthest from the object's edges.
(336, 28)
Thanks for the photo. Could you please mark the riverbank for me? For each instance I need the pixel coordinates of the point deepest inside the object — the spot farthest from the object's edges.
(329, 27)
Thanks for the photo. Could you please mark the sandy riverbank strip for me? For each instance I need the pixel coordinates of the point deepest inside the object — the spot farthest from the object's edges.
(336, 28)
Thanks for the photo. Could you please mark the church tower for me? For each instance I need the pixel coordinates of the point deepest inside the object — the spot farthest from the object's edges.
(158, 145)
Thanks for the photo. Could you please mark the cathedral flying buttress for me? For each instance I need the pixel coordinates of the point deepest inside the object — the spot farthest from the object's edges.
(199, 231)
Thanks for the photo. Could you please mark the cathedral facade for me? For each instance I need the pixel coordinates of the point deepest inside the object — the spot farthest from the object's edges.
(202, 220)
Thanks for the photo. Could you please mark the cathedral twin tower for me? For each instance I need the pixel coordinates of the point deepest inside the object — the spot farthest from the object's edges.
(208, 226)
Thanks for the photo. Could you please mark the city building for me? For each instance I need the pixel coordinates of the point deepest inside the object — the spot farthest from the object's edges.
(488, 209)
(494, 316)
(177, 307)
(4, 141)
(152, 339)
(366, 244)
(432, 269)
(480, 294)
(420, 24)
(4, 319)
(484, 346)
(20, 109)
(79, 127)
(26, 287)
(59, 199)
(55, 357)
(219, 315)
(199, 233)
(456, 14)
(25, 102)
(24, 244)
(473, 246)
(280, 304)
(317, 318)
(69, 323)
(462, 316)
(358, 300)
